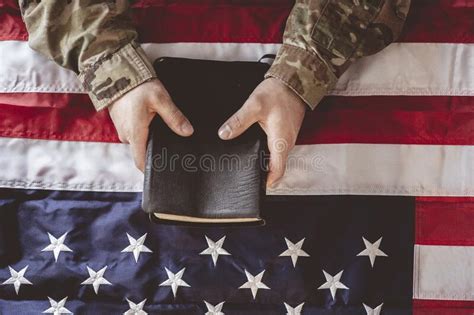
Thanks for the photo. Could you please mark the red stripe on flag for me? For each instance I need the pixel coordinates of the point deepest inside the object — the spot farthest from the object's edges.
(234, 23)
(442, 21)
(375, 119)
(391, 119)
(444, 221)
(11, 24)
(257, 21)
(434, 307)
(76, 122)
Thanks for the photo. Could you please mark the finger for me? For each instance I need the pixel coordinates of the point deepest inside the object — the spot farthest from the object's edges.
(279, 149)
(138, 146)
(173, 117)
(238, 123)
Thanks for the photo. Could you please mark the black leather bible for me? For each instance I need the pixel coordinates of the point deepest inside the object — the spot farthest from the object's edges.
(201, 178)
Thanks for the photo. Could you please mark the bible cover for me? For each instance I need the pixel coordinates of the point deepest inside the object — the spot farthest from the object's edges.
(201, 178)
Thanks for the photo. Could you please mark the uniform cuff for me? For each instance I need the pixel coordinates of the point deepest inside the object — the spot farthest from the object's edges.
(116, 74)
(303, 72)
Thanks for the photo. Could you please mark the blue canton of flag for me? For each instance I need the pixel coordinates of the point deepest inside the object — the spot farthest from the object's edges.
(98, 253)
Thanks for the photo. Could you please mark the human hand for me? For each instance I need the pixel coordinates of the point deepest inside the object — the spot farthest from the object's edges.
(280, 112)
(133, 112)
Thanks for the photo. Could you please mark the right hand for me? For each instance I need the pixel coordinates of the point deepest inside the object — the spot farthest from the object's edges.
(133, 112)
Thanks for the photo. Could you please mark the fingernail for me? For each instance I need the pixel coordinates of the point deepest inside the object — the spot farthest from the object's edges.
(269, 182)
(272, 182)
(186, 128)
(225, 132)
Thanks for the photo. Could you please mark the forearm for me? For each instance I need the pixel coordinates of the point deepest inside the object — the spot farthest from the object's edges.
(95, 39)
(323, 38)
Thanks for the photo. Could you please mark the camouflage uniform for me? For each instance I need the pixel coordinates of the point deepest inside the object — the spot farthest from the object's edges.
(324, 37)
(96, 39)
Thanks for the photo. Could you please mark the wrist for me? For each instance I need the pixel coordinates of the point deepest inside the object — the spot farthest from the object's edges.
(294, 100)
(305, 73)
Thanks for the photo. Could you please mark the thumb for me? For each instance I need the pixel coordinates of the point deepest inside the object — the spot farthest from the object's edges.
(173, 117)
(237, 123)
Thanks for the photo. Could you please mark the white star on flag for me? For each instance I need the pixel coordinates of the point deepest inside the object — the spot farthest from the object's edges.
(57, 246)
(254, 283)
(372, 250)
(373, 311)
(214, 249)
(294, 310)
(333, 283)
(136, 246)
(57, 308)
(214, 310)
(96, 278)
(294, 251)
(136, 309)
(17, 278)
(174, 280)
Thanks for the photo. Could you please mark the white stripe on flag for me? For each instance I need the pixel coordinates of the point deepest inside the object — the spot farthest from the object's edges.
(401, 69)
(443, 273)
(379, 169)
(367, 169)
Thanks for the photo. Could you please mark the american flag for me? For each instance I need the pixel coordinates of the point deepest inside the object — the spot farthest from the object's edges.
(382, 225)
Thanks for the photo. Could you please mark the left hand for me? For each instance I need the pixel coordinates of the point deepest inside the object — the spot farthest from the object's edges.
(280, 112)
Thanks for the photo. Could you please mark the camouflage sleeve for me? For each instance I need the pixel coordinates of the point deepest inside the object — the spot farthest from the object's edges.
(323, 38)
(95, 39)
